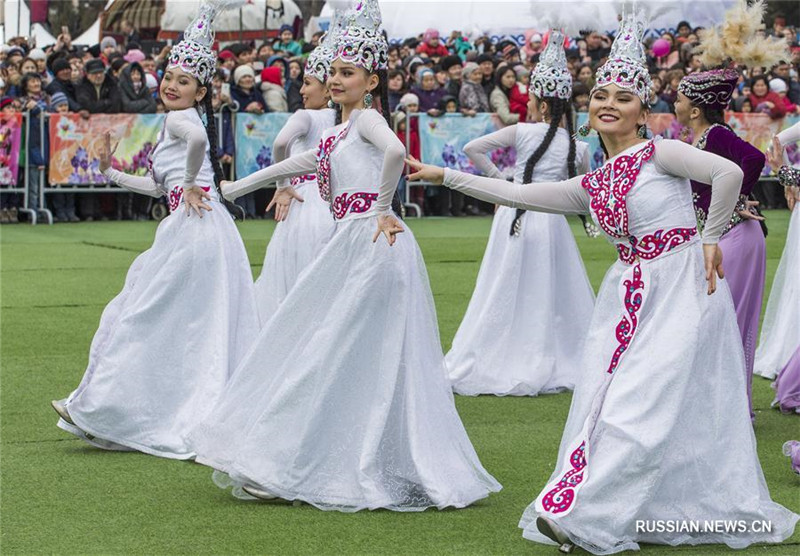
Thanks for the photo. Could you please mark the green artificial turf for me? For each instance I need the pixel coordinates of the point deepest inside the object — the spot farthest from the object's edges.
(59, 496)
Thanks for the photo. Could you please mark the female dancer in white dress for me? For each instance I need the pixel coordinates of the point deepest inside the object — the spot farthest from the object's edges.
(648, 438)
(780, 332)
(343, 401)
(169, 341)
(299, 238)
(530, 311)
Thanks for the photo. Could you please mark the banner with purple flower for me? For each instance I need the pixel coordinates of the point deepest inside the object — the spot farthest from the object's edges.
(442, 141)
(10, 139)
(254, 135)
(75, 143)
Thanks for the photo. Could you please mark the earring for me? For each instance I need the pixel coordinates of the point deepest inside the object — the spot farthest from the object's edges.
(642, 133)
(584, 130)
(331, 104)
(368, 101)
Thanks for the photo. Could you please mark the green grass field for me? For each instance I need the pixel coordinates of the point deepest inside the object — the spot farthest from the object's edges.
(59, 496)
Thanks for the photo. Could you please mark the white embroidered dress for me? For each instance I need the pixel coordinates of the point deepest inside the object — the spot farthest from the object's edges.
(343, 401)
(168, 342)
(780, 331)
(659, 427)
(530, 311)
(297, 240)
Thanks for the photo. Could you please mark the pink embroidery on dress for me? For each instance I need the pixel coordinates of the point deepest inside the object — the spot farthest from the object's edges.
(652, 245)
(560, 498)
(357, 202)
(326, 146)
(299, 180)
(608, 187)
(626, 327)
(176, 196)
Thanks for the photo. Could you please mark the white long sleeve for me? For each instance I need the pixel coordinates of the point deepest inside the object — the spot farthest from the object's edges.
(478, 149)
(561, 197)
(374, 129)
(180, 126)
(790, 135)
(137, 184)
(303, 163)
(681, 159)
(296, 127)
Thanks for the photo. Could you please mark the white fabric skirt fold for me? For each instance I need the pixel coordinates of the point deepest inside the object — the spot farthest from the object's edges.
(529, 314)
(343, 401)
(169, 341)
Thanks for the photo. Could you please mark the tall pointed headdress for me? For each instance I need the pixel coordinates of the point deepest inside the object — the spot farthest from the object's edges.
(551, 78)
(318, 63)
(194, 54)
(627, 64)
(361, 41)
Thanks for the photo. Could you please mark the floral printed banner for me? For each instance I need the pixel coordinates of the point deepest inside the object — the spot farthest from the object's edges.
(254, 136)
(442, 141)
(75, 141)
(756, 129)
(10, 139)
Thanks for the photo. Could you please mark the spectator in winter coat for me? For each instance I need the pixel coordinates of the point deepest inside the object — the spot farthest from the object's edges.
(397, 87)
(244, 91)
(764, 100)
(431, 45)
(136, 97)
(507, 100)
(778, 86)
(453, 66)
(472, 97)
(98, 93)
(427, 90)
(486, 63)
(272, 89)
(61, 83)
(286, 42)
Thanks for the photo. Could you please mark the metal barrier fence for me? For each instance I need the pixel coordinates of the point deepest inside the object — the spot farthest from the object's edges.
(441, 140)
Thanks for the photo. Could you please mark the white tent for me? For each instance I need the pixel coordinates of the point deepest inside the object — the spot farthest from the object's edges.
(409, 18)
(253, 18)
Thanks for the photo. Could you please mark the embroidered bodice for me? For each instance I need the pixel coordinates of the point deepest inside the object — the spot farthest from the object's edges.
(302, 133)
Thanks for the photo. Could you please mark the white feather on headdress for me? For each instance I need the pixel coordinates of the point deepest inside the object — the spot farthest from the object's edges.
(737, 39)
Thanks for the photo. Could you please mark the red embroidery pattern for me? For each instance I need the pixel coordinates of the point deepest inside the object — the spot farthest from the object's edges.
(176, 196)
(357, 202)
(652, 245)
(299, 180)
(634, 288)
(326, 146)
(608, 186)
(561, 497)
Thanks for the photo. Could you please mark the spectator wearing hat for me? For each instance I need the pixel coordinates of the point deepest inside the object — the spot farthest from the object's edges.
(116, 66)
(272, 89)
(286, 42)
(134, 55)
(38, 55)
(472, 97)
(108, 46)
(431, 45)
(779, 87)
(98, 93)
(244, 91)
(782, 71)
(427, 90)
(486, 63)
(15, 55)
(453, 66)
(62, 204)
(62, 83)
(134, 94)
(533, 44)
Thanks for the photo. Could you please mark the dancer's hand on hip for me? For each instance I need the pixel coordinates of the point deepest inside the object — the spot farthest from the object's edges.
(193, 198)
(425, 172)
(389, 226)
(282, 200)
(712, 255)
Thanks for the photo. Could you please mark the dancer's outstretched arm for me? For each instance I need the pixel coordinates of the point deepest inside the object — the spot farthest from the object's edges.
(296, 127)
(137, 184)
(303, 163)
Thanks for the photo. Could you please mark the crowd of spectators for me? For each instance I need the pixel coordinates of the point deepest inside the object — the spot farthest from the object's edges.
(428, 73)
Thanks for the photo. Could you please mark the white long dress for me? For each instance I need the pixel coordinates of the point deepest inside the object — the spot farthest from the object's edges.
(343, 401)
(780, 331)
(648, 437)
(168, 342)
(530, 311)
(297, 240)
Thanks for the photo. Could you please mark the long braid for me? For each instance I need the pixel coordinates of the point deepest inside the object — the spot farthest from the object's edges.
(558, 107)
(571, 171)
(211, 132)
